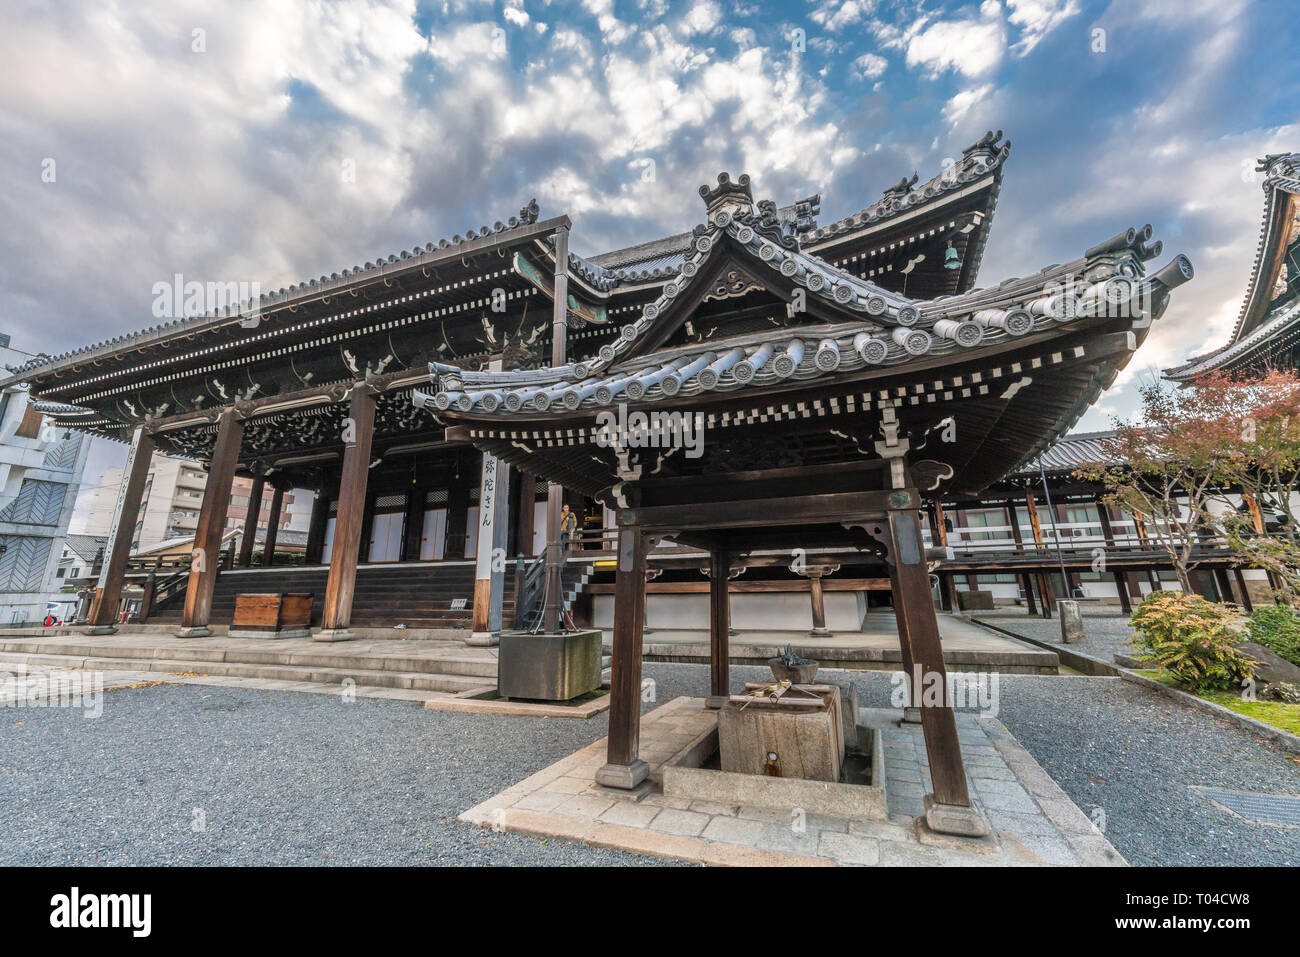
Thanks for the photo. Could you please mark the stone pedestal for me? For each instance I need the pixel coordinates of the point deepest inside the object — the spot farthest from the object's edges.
(959, 819)
(199, 631)
(333, 634)
(625, 776)
(549, 667)
(1071, 621)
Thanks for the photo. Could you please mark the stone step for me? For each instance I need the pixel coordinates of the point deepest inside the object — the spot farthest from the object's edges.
(464, 665)
(420, 681)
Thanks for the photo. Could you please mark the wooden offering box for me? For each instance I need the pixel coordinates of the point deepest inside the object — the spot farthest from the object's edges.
(272, 616)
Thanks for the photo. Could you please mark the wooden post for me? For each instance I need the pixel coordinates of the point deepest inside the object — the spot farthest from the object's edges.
(1044, 585)
(818, 603)
(454, 538)
(413, 523)
(624, 768)
(320, 514)
(212, 522)
(939, 535)
(112, 571)
(1121, 580)
(367, 529)
(555, 554)
(918, 627)
(339, 587)
(719, 625)
(272, 527)
(250, 521)
(1026, 581)
(525, 527)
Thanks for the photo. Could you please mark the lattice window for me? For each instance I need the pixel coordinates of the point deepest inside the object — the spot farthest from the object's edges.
(437, 496)
(386, 504)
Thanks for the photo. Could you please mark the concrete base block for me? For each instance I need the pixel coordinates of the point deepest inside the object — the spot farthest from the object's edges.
(333, 634)
(483, 639)
(821, 633)
(1071, 622)
(716, 701)
(988, 844)
(201, 631)
(911, 716)
(288, 633)
(105, 630)
(623, 776)
(954, 819)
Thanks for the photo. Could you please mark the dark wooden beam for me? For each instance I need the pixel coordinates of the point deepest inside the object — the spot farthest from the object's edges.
(719, 624)
(108, 592)
(918, 631)
(336, 613)
(212, 523)
(250, 521)
(272, 526)
(624, 767)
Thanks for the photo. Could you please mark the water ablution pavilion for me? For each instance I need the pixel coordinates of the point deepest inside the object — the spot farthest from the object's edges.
(761, 394)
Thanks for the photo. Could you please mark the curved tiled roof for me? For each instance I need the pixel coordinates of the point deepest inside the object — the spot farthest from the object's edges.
(891, 331)
(1070, 452)
(980, 158)
(527, 215)
(1282, 175)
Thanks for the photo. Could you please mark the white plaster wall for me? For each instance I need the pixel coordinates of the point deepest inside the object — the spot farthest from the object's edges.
(770, 611)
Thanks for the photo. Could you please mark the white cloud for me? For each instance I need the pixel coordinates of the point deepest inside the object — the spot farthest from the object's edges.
(838, 14)
(703, 17)
(1037, 18)
(869, 66)
(955, 110)
(973, 46)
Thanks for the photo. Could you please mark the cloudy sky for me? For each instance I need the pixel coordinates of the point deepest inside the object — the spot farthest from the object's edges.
(275, 141)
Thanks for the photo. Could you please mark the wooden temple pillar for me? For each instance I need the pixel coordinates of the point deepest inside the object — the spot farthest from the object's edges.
(1044, 583)
(249, 538)
(367, 529)
(1026, 581)
(624, 767)
(320, 516)
(453, 548)
(525, 528)
(336, 612)
(553, 595)
(212, 522)
(112, 573)
(719, 626)
(413, 523)
(1121, 579)
(948, 809)
(273, 525)
(939, 536)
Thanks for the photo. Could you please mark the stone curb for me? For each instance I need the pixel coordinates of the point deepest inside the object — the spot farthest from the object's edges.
(631, 840)
(1097, 668)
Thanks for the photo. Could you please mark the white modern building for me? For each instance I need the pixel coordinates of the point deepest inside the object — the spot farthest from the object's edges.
(40, 473)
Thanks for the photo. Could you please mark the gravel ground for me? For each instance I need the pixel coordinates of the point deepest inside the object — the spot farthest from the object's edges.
(1103, 634)
(280, 777)
(290, 778)
(1136, 755)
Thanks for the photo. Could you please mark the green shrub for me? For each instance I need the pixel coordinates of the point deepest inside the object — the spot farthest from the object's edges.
(1277, 628)
(1193, 639)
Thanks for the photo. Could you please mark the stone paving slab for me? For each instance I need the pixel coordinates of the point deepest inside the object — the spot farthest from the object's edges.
(1034, 822)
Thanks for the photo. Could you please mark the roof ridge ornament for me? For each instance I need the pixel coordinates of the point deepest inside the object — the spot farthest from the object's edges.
(728, 194)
